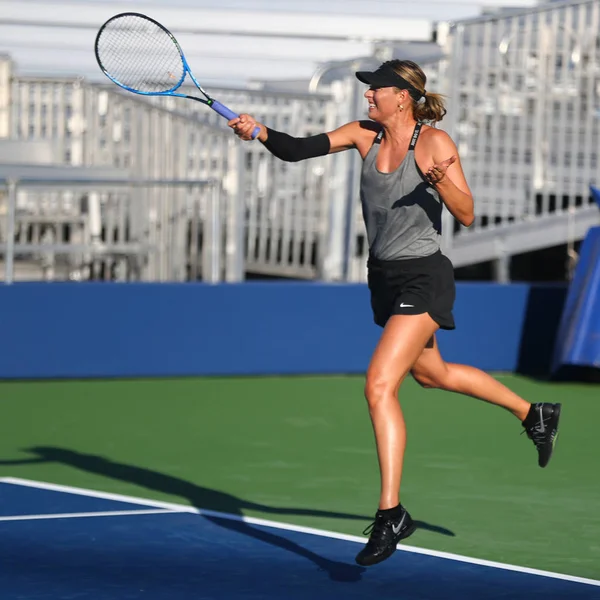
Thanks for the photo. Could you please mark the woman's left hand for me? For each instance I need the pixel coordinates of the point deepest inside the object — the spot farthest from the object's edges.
(437, 173)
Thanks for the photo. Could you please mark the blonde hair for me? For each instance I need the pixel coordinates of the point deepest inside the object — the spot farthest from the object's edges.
(431, 107)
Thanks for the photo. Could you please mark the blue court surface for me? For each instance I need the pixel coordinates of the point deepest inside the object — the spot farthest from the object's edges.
(69, 543)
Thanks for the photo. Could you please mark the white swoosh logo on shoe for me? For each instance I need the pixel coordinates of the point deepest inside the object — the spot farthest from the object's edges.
(396, 528)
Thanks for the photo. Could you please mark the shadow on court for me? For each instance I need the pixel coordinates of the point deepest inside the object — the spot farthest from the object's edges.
(204, 498)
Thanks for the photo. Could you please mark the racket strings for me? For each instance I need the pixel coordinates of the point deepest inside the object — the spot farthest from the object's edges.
(140, 55)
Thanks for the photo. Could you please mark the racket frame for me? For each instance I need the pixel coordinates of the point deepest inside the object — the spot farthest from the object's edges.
(219, 108)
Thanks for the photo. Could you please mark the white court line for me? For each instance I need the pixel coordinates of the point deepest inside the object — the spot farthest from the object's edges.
(108, 513)
(182, 508)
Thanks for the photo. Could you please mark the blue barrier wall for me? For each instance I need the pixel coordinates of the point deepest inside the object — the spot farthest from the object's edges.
(579, 332)
(81, 330)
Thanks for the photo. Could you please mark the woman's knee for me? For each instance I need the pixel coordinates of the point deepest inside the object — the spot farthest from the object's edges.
(439, 378)
(423, 379)
(379, 387)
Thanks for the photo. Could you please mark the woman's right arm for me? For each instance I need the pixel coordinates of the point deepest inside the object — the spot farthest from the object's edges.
(293, 149)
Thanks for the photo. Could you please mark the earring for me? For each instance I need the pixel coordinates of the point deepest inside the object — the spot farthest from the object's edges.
(402, 107)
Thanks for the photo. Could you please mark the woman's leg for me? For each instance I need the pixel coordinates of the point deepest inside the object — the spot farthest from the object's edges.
(539, 420)
(430, 370)
(401, 344)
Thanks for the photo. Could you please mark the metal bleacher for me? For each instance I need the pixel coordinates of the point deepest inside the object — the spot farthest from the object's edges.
(522, 90)
(87, 222)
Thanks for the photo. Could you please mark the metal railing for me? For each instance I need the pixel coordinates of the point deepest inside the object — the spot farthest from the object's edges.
(524, 94)
(68, 226)
(524, 110)
(284, 207)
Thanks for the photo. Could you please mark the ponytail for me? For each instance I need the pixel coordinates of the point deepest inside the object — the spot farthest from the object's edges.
(431, 108)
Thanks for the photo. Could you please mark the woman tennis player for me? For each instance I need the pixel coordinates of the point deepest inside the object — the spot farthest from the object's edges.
(410, 170)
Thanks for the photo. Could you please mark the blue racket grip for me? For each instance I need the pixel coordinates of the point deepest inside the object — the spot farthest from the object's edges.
(229, 114)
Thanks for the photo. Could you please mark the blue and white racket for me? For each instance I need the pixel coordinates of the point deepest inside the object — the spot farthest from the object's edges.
(142, 56)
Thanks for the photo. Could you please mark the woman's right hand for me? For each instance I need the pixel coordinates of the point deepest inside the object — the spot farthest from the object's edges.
(244, 127)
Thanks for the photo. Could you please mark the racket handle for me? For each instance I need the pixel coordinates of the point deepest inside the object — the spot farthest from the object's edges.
(229, 114)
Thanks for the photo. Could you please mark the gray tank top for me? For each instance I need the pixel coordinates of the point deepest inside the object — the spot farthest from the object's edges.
(402, 212)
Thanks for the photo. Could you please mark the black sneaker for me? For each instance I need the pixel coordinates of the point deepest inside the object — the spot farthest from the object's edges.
(541, 426)
(384, 533)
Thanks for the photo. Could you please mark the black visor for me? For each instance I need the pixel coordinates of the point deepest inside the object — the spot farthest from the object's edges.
(385, 76)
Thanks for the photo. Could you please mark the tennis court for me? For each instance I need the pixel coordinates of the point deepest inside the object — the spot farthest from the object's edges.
(169, 469)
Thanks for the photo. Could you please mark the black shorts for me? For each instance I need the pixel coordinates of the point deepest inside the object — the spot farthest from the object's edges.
(412, 287)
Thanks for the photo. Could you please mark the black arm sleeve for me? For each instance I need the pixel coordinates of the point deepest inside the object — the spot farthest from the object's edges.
(293, 149)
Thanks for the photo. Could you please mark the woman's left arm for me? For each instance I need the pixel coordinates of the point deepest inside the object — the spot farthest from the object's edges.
(447, 177)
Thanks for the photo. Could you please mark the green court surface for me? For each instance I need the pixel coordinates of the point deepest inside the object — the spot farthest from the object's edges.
(301, 450)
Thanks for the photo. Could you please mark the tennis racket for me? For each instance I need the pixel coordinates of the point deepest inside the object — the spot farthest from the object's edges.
(142, 56)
